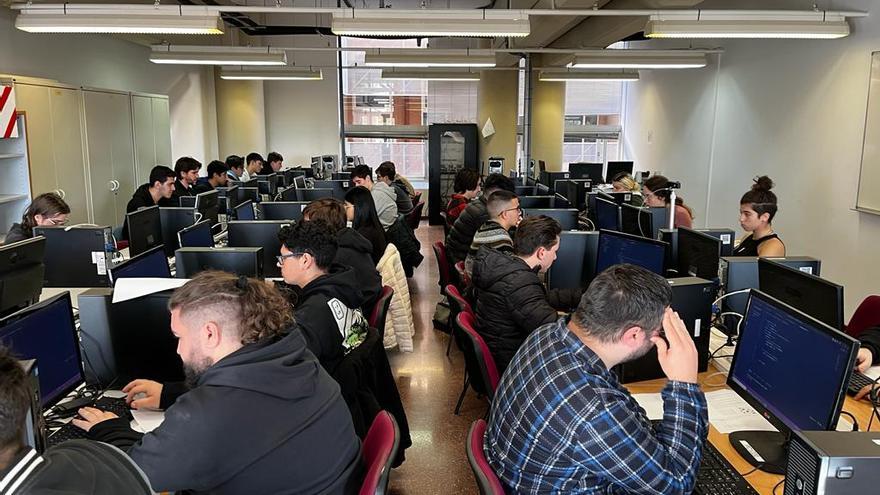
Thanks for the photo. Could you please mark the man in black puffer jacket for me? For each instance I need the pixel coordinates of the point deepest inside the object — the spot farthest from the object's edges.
(511, 299)
(460, 237)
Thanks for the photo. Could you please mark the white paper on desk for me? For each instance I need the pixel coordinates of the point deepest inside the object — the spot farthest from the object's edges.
(131, 288)
(873, 372)
(728, 412)
(651, 403)
(147, 421)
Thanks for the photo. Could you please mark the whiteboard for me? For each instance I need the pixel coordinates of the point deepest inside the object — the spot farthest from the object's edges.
(868, 199)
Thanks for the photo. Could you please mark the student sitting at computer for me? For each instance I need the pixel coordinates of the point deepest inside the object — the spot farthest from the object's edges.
(657, 194)
(254, 165)
(274, 162)
(73, 467)
(561, 422)
(504, 215)
(354, 250)
(624, 183)
(158, 191)
(869, 355)
(511, 299)
(387, 173)
(384, 196)
(46, 210)
(360, 210)
(328, 307)
(756, 211)
(458, 242)
(217, 177)
(260, 415)
(236, 167)
(187, 170)
(466, 187)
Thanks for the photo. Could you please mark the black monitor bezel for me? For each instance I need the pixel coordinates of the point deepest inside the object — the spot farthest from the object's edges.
(616, 205)
(704, 236)
(136, 258)
(765, 264)
(241, 205)
(144, 212)
(191, 228)
(639, 211)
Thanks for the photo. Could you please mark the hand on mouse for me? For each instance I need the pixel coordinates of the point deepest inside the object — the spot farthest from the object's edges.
(143, 394)
(89, 417)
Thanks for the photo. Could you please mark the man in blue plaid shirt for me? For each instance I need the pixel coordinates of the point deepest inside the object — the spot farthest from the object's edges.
(560, 420)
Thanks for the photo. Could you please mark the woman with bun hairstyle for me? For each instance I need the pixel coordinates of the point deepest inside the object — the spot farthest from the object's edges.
(756, 211)
(656, 192)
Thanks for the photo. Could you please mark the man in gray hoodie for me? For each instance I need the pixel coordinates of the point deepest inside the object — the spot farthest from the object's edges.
(384, 195)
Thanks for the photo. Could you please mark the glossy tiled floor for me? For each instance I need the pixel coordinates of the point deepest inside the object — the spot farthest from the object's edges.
(429, 384)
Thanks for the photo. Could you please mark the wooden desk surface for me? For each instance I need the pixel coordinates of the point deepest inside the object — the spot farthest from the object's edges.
(760, 481)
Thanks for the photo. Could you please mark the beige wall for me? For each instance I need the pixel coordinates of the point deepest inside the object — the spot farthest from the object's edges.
(497, 99)
(241, 123)
(548, 121)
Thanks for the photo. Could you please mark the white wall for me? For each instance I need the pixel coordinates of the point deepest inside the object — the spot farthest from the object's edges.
(794, 110)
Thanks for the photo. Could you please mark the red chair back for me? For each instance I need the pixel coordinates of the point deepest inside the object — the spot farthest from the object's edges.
(442, 263)
(458, 302)
(380, 310)
(487, 480)
(415, 216)
(379, 451)
(487, 369)
(867, 315)
(463, 275)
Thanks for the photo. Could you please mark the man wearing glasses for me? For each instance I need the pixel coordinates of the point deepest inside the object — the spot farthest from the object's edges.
(504, 215)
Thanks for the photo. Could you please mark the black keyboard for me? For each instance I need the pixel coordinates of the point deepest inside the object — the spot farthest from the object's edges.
(718, 477)
(71, 432)
(857, 382)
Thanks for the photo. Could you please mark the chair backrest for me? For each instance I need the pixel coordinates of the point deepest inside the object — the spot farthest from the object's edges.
(415, 216)
(483, 363)
(457, 302)
(487, 480)
(442, 263)
(866, 316)
(379, 452)
(463, 275)
(380, 310)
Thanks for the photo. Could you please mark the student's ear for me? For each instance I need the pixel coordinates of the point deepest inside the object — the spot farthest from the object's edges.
(212, 336)
(765, 217)
(631, 336)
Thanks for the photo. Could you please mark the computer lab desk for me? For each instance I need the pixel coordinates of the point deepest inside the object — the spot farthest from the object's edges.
(762, 482)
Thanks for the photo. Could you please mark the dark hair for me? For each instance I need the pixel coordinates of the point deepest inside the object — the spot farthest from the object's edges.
(362, 172)
(762, 199)
(467, 179)
(329, 210)
(658, 185)
(315, 237)
(621, 297)
(254, 156)
(365, 214)
(386, 169)
(254, 308)
(497, 201)
(274, 157)
(46, 204)
(234, 161)
(217, 167)
(534, 232)
(14, 400)
(496, 182)
(186, 164)
(160, 174)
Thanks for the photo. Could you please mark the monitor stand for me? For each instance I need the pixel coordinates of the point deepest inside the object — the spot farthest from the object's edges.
(766, 450)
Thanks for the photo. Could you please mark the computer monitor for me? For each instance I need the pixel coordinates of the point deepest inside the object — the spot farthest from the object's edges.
(150, 264)
(793, 370)
(250, 193)
(173, 221)
(77, 256)
(567, 217)
(268, 184)
(46, 332)
(615, 168)
(617, 197)
(245, 211)
(247, 261)
(339, 187)
(196, 235)
(186, 201)
(250, 183)
(616, 248)
(575, 191)
(144, 230)
(575, 264)
(637, 221)
(549, 179)
(815, 296)
(142, 342)
(260, 233)
(607, 215)
(536, 201)
(698, 254)
(313, 194)
(21, 273)
(592, 171)
(208, 207)
(299, 182)
(524, 191)
(283, 210)
(233, 198)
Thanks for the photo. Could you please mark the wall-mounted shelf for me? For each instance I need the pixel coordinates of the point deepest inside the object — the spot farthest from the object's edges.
(15, 188)
(9, 198)
(11, 155)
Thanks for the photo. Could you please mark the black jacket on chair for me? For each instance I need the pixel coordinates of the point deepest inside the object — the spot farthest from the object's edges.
(357, 252)
(459, 240)
(404, 239)
(512, 302)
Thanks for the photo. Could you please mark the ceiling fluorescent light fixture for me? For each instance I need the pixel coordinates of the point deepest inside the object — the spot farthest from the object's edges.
(757, 25)
(481, 23)
(394, 75)
(422, 58)
(217, 55)
(290, 74)
(135, 19)
(569, 76)
(638, 59)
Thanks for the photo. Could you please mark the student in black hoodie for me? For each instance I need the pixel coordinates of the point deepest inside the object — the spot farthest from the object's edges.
(328, 309)
(187, 170)
(354, 250)
(73, 467)
(157, 191)
(261, 415)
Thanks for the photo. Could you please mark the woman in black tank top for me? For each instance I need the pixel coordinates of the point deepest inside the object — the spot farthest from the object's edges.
(756, 211)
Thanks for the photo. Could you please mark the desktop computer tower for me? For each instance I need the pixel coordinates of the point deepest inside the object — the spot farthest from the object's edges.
(833, 463)
(35, 423)
(77, 256)
(692, 298)
(96, 341)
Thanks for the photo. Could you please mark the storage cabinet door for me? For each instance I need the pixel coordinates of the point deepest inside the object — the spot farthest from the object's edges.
(144, 143)
(162, 132)
(70, 167)
(111, 153)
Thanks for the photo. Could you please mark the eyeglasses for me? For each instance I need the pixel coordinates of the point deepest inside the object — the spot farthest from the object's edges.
(283, 257)
(517, 209)
(57, 221)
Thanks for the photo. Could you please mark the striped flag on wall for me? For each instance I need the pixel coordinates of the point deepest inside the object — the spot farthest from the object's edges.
(8, 127)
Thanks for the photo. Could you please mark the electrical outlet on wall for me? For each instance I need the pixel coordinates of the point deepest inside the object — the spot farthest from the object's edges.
(650, 137)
